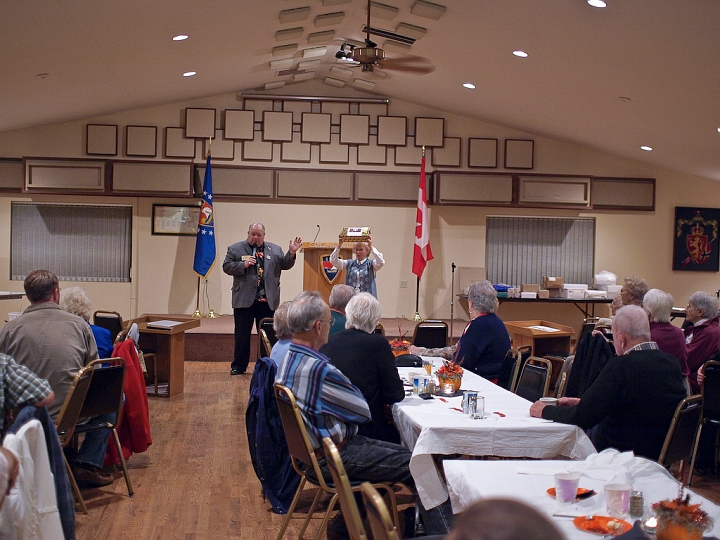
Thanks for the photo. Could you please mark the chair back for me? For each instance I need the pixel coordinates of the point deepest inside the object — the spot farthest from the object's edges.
(380, 329)
(265, 346)
(525, 353)
(105, 394)
(267, 325)
(110, 320)
(430, 334)
(560, 388)
(509, 370)
(73, 404)
(682, 435)
(342, 485)
(535, 379)
(298, 442)
(381, 523)
(711, 391)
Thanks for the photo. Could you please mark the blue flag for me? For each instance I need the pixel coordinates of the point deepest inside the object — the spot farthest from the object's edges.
(205, 251)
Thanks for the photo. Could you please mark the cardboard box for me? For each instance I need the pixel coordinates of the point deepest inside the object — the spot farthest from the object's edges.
(528, 295)
(529, 287)
(596, 294)
(550, 282)
(555, 293)
(545, 293)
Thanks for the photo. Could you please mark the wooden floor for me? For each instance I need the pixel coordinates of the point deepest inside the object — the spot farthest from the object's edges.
(196, 481)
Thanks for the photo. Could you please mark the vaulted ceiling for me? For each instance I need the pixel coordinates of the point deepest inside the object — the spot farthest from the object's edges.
(637, 72)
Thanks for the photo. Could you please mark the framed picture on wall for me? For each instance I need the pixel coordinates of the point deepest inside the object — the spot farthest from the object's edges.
(696, 239)
(175, 219)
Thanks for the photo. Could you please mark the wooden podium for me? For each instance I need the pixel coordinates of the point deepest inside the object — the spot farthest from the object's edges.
(318, 273)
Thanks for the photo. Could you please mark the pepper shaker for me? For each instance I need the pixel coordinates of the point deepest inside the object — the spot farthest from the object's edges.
(637, 504)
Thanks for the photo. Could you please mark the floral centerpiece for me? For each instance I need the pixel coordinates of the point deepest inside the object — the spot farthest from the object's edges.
(680, 520)
(400, 345)
(450, 372)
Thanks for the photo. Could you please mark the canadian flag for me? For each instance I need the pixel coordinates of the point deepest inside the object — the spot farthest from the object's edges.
(422, 253)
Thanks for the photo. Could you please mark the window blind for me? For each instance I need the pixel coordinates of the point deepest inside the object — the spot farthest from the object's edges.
(76, 242)
(524, 249)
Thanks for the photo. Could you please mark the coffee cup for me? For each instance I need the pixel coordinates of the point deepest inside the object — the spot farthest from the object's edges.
(551, 401)
(566, 485)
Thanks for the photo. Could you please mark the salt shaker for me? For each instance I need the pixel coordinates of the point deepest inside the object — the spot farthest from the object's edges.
(637, 504)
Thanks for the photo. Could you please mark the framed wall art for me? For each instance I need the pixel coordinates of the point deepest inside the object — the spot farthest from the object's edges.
(696, 239)
(175, 219)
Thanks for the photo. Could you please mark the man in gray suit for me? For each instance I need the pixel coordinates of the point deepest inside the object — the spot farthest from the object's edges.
(255, 266)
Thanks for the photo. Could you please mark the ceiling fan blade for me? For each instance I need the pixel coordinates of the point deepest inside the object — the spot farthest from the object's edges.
(407, 67)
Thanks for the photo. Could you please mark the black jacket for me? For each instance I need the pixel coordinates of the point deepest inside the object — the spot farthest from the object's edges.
(591, 356)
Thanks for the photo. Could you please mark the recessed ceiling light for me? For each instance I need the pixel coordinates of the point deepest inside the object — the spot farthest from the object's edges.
(189, 73)
(471, 86)
(180, 37)
(718, 128)
(646, 148)
(521, 54)
(46, 75)
(597, 3)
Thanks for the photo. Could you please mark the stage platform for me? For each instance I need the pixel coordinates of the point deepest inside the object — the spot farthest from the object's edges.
(213, 340)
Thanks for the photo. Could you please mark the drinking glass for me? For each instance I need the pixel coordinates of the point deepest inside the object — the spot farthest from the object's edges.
(566, 485)
(617, 498)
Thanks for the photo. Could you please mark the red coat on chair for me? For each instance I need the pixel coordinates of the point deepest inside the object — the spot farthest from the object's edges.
(134, 425)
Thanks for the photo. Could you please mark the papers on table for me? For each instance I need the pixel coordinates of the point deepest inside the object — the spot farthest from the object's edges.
(163, 324)
(544, 328)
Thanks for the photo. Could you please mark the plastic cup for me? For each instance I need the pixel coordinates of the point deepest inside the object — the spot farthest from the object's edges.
(566, 485)
(414, 378)
(617, 498)
(551, 401)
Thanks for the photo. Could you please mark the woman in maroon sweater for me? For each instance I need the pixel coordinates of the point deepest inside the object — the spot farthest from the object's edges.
(669, 338)
(702, 340)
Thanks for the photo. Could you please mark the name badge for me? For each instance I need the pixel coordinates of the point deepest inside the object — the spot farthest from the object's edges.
(246, 257)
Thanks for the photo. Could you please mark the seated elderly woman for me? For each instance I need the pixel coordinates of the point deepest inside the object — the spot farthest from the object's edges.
(702, 340)
(485, 340)
(366, 359)
(282, 333)
(669, 338)
(633, 291)
(76, 300)
(339, 297)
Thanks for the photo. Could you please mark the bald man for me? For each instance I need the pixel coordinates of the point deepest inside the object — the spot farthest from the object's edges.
(631, 403)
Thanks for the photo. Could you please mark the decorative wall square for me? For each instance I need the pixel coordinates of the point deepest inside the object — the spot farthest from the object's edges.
(101, 140)
(392, 130)
(372, 153)
(336, 108)
(176, 145)
(277, 126)
(408, 155)
(482, 153)
(297, 108)
(354, 129)
(316, 127)
(373, 110)
(295, 151)
(141, 141)
(199, 123)
(239, 124)
(429, 131)
(257, 149)
(221, 148)
(334, 152)
(519, 153)
(449, 154)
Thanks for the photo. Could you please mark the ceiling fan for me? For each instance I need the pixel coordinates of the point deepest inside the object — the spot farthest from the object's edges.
(370, 56)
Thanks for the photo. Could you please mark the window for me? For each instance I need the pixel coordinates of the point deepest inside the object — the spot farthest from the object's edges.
(524, 249)
(76, 242)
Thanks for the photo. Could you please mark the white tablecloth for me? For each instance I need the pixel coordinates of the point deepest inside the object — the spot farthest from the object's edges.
(432, 427)
(528, 481)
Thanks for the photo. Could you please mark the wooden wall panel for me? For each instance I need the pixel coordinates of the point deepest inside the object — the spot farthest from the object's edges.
(315, 184)
(140, 177)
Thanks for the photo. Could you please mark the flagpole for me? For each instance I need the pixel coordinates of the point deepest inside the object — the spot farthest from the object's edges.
(211, 314)
(197, 303)
(417, 317)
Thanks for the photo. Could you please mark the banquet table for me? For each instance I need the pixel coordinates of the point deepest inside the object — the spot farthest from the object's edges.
(528, 481)
(429, 427)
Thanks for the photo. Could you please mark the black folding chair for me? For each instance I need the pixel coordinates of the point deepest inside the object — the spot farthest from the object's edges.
(110, 320)
(509, 370)
(683, 436)
(535, 379)
(430, 334)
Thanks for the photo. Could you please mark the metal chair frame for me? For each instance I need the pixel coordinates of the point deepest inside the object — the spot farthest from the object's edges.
(535, 366)
(683, 437)
(511, 356)
(429, 324)
(107, 320)
(378, 516)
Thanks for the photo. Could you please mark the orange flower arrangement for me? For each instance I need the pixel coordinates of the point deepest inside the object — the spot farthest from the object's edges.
(400, 345)
(680, 520)
(450, 372)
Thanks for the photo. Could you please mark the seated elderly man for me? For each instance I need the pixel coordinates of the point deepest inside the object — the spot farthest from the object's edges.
(333, 407)
(339, 297)
(485, 340)
(702, 339)
(669, 338)
(366, 359)
(282, 333)
(631, 403)
(76, 300)
(54, 345)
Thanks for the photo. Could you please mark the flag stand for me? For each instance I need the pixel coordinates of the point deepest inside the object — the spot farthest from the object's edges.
(417, 317)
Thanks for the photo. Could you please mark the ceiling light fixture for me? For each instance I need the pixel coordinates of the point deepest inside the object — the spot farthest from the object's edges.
(189, 73)
(342, 55)
(597, 3)
(520, 54)
(718, 128)
(646, 148)
(469, 86)
(180, 37)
